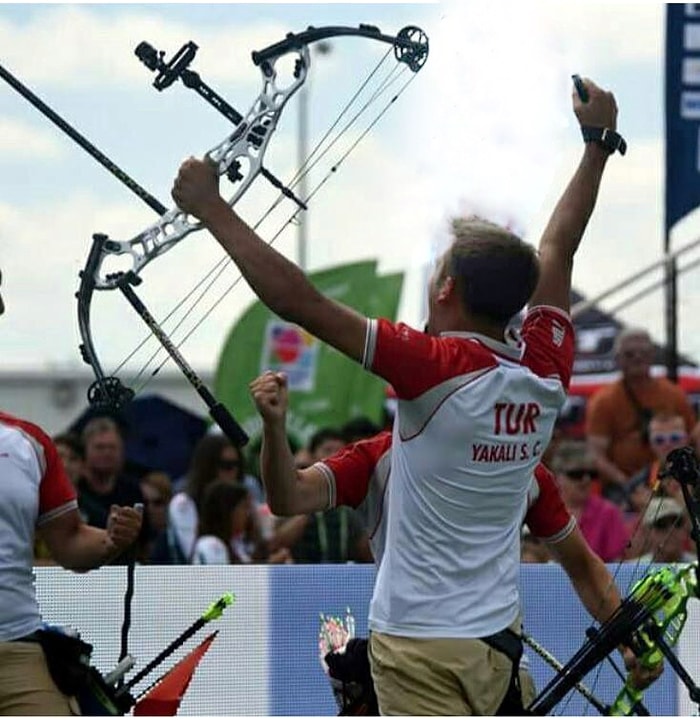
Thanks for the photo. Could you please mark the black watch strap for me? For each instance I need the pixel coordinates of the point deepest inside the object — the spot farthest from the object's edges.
(608, 139)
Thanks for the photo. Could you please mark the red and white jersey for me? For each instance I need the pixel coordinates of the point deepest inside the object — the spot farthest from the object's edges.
(359, 474)
(34, 490)
(473, 418)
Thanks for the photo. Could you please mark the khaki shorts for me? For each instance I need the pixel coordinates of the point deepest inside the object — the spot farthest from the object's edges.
(527, 687)
(26, 687)
(446, 677)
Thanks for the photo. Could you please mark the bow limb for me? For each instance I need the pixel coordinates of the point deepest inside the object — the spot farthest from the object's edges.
(410, 44)
(106, 390)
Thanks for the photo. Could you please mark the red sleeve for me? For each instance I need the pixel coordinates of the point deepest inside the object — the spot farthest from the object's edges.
(55, 489)
(351, 469)
(414, 362)
(549, 343)
(548, 518)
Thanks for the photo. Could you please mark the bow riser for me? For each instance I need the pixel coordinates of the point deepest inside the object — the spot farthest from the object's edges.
(242, 151)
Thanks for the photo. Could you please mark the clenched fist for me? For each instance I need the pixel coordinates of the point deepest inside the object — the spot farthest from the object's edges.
(270, 396)
(123, 527)
(196, 188)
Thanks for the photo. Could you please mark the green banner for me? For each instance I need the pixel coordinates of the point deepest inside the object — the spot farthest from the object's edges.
(326, 387)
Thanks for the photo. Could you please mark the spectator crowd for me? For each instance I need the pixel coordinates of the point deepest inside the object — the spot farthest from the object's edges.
(217, 512)
(609, 479)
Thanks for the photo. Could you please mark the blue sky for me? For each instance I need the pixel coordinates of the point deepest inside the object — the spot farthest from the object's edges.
(486, 126)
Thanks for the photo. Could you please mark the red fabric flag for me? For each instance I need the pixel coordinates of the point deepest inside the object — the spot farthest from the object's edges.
(163, 700)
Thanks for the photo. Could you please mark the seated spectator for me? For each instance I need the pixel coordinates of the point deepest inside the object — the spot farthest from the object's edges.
(215, 458)
(666, 432)
(228, 531)
(156, 488)
(72, 452)
(618, 415)
(601, 522)
(667, 527)
(359, 428)
(104, 482)
(333, 536)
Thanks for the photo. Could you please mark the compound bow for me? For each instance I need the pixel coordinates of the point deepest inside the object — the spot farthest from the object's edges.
(239, 156)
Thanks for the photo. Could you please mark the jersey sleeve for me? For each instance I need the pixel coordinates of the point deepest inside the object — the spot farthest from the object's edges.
(413, 362)
(349, 471)
(547, 517)
(549, 340)
(56, 492)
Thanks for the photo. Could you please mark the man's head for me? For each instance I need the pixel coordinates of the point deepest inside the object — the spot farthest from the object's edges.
(666, 433)
(634, 353)
(667, 528)
(575, 469)
(488, 274)
(324, 443)
(104, 453)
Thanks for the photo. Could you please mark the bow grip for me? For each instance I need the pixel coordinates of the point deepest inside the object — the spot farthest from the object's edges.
(228, 424)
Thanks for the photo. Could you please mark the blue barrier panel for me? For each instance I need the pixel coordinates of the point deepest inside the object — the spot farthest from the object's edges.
(298, 594)
(553, 615)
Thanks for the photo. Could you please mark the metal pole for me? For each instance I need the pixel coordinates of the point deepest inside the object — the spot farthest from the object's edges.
(671, 319)
(321, 48)
(303, 190)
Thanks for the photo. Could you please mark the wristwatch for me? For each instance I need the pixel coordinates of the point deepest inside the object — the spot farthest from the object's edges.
(606, 138)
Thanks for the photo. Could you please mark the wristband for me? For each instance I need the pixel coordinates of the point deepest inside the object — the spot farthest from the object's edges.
(604, 137)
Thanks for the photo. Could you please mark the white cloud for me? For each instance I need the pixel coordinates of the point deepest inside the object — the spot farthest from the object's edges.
(597, 35)
(19, 140)
(77, 47)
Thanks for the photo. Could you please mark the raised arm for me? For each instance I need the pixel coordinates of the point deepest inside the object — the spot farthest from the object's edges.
(568, 222)
(289, 491)
(278, 283)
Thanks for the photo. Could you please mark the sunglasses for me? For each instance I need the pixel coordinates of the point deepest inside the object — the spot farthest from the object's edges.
(665, 523)
(674, 437)
(637, 353)
(580, 474)
(228, 464)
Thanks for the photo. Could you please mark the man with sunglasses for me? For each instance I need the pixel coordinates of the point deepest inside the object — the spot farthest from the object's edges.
(667, 431)
(618, 415)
